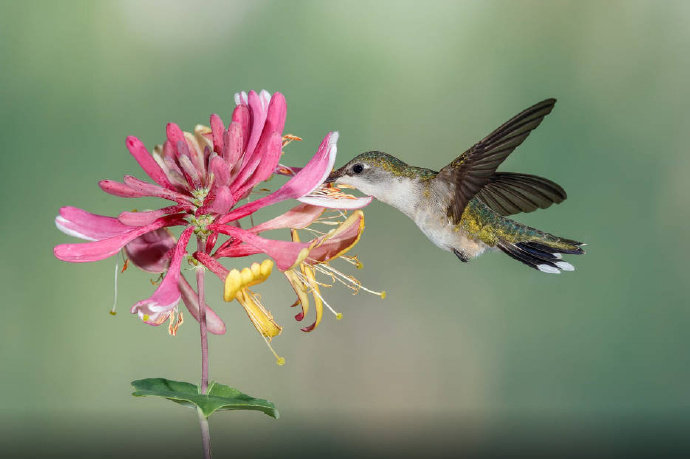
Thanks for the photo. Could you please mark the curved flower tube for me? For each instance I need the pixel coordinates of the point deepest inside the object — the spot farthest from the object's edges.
(325, 249)
(156, 309)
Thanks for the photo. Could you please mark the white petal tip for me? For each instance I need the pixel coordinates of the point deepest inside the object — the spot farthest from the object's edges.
(265, 98)
(344, 204)
(334, 138)
(61, 223)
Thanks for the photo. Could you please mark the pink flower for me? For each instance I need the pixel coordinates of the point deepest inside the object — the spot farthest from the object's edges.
(206, 174)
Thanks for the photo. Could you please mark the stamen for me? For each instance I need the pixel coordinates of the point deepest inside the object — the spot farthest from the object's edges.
(287, 138)
(336, 275)
(175, 324)
(338, 223)
(112, 310)
(330, 217)
(280, 361)
(315, 292)
(260, 191)
(317, 232)
(284, 170)
(353, 260)
(157, 280)
(338, 315)
(331, 192)
(322, 284)
(356, 285)
(256, 320)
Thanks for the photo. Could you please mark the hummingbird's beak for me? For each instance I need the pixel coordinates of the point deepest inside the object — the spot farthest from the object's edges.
(335, 175)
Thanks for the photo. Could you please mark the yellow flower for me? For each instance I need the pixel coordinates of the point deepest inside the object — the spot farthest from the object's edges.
(237, 285)
(324, 249)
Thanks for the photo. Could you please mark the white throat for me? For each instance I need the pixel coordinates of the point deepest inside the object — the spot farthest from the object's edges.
(401, 193)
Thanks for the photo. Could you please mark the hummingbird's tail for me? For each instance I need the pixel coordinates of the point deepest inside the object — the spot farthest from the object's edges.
(537, 249)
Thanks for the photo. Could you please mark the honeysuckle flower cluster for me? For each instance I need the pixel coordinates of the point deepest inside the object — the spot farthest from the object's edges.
(207, 175)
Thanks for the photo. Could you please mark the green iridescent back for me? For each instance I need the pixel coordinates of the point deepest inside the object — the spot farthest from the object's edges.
(395, 166)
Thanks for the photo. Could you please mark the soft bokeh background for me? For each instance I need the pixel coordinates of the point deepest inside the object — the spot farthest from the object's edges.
(467, 359)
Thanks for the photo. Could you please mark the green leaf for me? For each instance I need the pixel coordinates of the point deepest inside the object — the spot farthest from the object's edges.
(219, 396)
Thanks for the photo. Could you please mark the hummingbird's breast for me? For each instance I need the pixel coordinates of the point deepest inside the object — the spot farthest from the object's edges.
(426, 202)
(431, 216)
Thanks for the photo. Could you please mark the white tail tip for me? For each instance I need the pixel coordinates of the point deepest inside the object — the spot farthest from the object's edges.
(548, 269)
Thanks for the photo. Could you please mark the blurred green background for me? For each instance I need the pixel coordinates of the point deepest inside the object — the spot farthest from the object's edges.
(470, 359)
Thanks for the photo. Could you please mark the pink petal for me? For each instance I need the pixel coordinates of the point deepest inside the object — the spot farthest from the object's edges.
(275, 117)
(338, 241)
(212, 264)
(152, 251)
(98, 250)
(149, 189)
(140, 190)
(211, 242)
(118, 189)
(274, 123)
(260, 166)
(286, 254)
(148, 216)
(258, 113)
(175, 135)
(220, 170)
(84, 225)
(191, 169)
(220, 203)
(236, 251)
(242, 117)
(196, 154)
(190, 298)
(277, 112)
(171, 163)
(298, 217)
(147, 163)
(156, 309)
(217, 131)
(304, 182)
(265, 98)
(219, 199)
(345, 204)
(234, 143)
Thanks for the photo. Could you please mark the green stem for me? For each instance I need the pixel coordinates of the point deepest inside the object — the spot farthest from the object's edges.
(203, 422)
(205, 435)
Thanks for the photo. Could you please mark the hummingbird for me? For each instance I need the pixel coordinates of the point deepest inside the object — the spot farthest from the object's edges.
(463, 208)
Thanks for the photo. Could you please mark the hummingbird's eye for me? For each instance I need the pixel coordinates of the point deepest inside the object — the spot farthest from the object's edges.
(357, 168)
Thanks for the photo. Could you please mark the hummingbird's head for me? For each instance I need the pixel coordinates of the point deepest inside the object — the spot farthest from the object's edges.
(371, 173)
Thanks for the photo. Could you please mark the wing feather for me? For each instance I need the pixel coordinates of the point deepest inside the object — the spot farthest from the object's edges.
(473, 170)
(509, 193)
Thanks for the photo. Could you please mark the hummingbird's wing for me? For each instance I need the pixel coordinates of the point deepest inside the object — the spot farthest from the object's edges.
(510, 193)
(472, 170)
